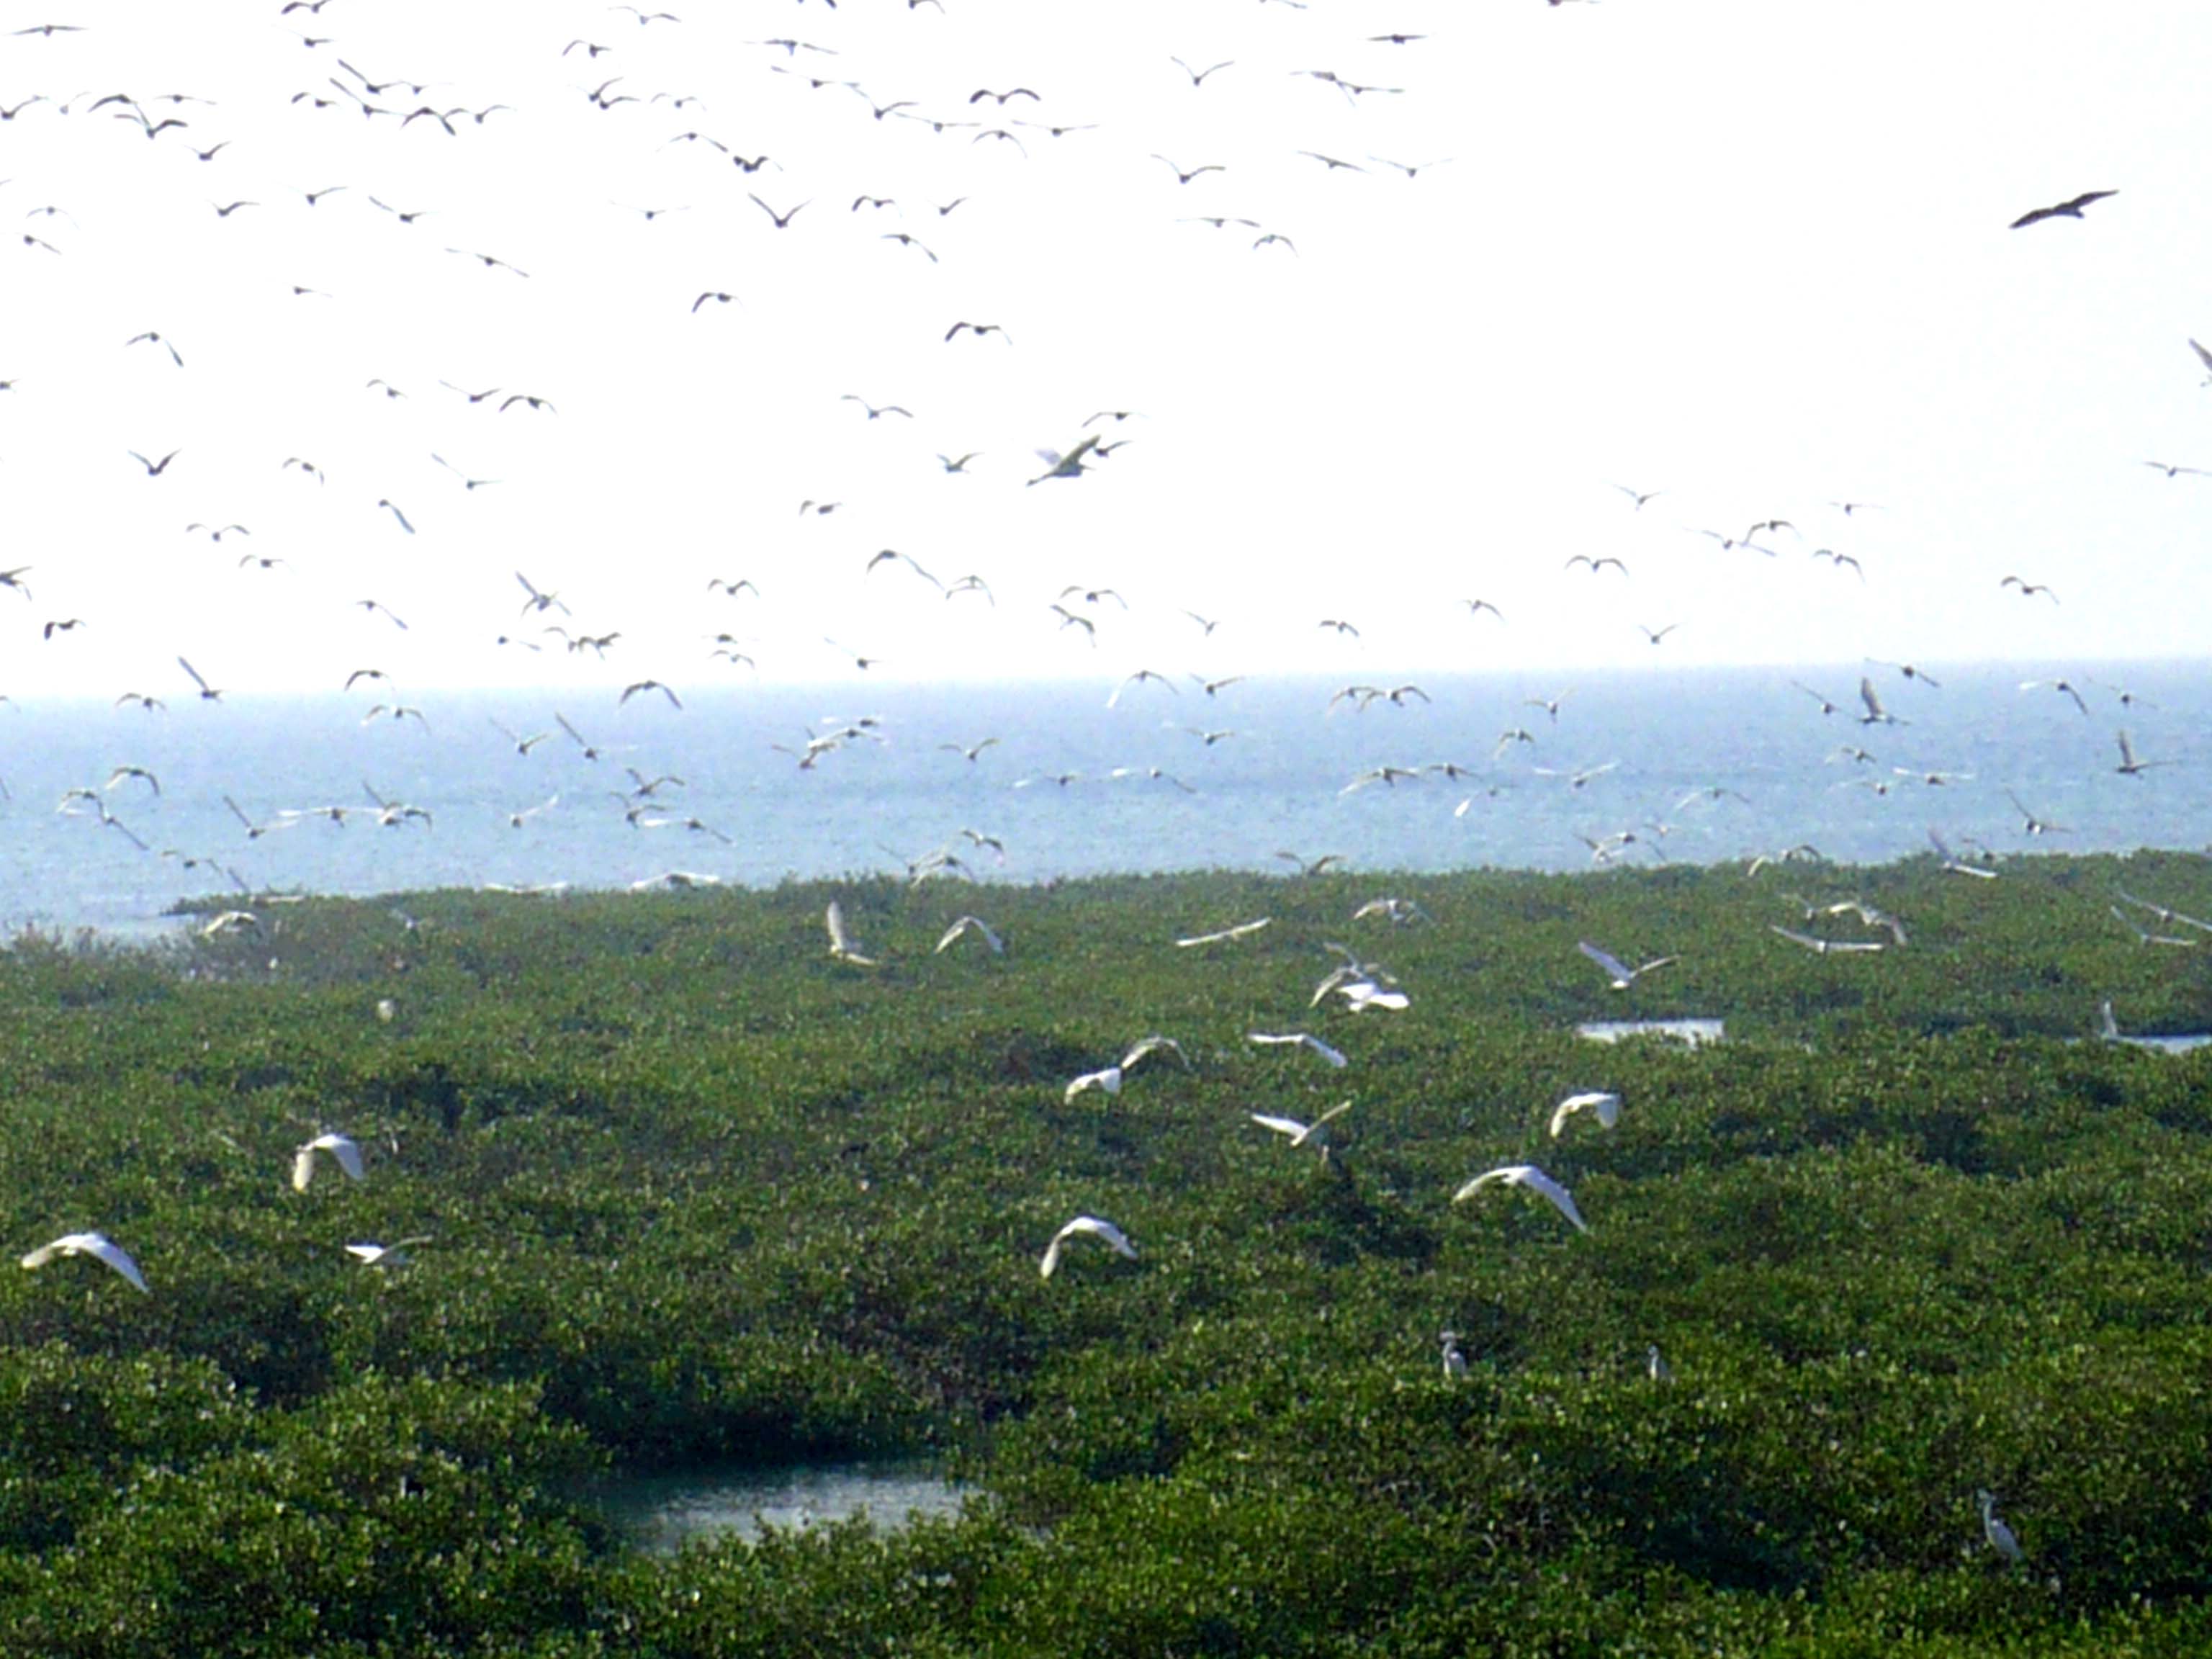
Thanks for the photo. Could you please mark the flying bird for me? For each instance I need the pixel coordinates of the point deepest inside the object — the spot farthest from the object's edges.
(1528, 1176)
(1604, 1102)
(1623, 974)
(1300, 1134)
(343, 1148)
(98, 1246)
(2068, 210)
(842, 946)
(1085, 1226)
(1304, 1039)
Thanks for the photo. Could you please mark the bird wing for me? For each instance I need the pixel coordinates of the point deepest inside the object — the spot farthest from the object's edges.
(1537, 1181)
(1282, 1126)
(347, 1150)
(303, 1167)
(1333, 1056)
(1605, 959)
(834, 919)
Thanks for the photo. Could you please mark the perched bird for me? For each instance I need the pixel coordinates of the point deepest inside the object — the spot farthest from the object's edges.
(1085, 1226)
(1998, 1536)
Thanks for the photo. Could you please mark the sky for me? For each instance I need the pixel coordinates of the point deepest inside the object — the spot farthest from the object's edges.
(1755, 258)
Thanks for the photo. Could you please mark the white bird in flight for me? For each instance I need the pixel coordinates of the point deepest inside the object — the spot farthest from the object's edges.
(98, 1245)
(1607, 1104)
(1237, 932)
(1085, 1226)
(1333, 1056)
(841, 948)
(1154, 1044)
(343, 1148)
(1300, 1134)
(978, 925)
(1108, 1079)
(1528, 1176)
(385, 1256)
(1623, 974)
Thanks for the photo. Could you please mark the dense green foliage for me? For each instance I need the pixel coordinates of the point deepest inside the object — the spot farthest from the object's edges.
(697, 1192)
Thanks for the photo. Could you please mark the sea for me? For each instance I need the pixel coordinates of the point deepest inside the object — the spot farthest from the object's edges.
(998, 782)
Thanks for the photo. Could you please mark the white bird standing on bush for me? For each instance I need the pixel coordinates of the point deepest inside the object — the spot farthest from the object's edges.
(1085, 1226)
(1454, 1361)
(1995, 1530)
(344, 1148)
(97, 1245)
(1528, 1176)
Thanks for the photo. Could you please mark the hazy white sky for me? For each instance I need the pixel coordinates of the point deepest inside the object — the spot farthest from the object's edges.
(1754, 257)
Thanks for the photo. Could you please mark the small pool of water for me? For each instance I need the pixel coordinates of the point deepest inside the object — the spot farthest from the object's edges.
(662, 1513)
(1689, 1032)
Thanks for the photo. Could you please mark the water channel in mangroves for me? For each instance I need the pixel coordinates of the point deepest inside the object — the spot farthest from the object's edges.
(662, 1513)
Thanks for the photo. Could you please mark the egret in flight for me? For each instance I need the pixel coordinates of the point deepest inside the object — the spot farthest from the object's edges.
(97, 1245)
(1607, 1105)
(1085, 1226)
(1300, 1134)
(1528, 1176)
(1623, 974)
(343, 1148)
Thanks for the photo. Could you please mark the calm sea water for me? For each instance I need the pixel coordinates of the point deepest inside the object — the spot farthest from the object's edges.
(1701, 768)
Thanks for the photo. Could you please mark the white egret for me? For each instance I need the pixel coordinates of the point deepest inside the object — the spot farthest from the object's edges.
(1300, 1134)
(1954, 866)
(1608, 1106)
(1359, 994)
(965, 924)
(1655, 1367)
(1083, 1226)
(1623, 974)
(1108, 1079)
(1528, 1176)
(841, 948)
(1153, 1045)
(1454, 1361)
(343, 1148)
(1824, 946)
(2000, 1536)
(98, 1245)
(1334, 1057)
(1240, 931)
(385, 1256)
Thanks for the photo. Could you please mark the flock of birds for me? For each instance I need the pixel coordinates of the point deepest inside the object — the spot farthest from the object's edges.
(258, 520)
